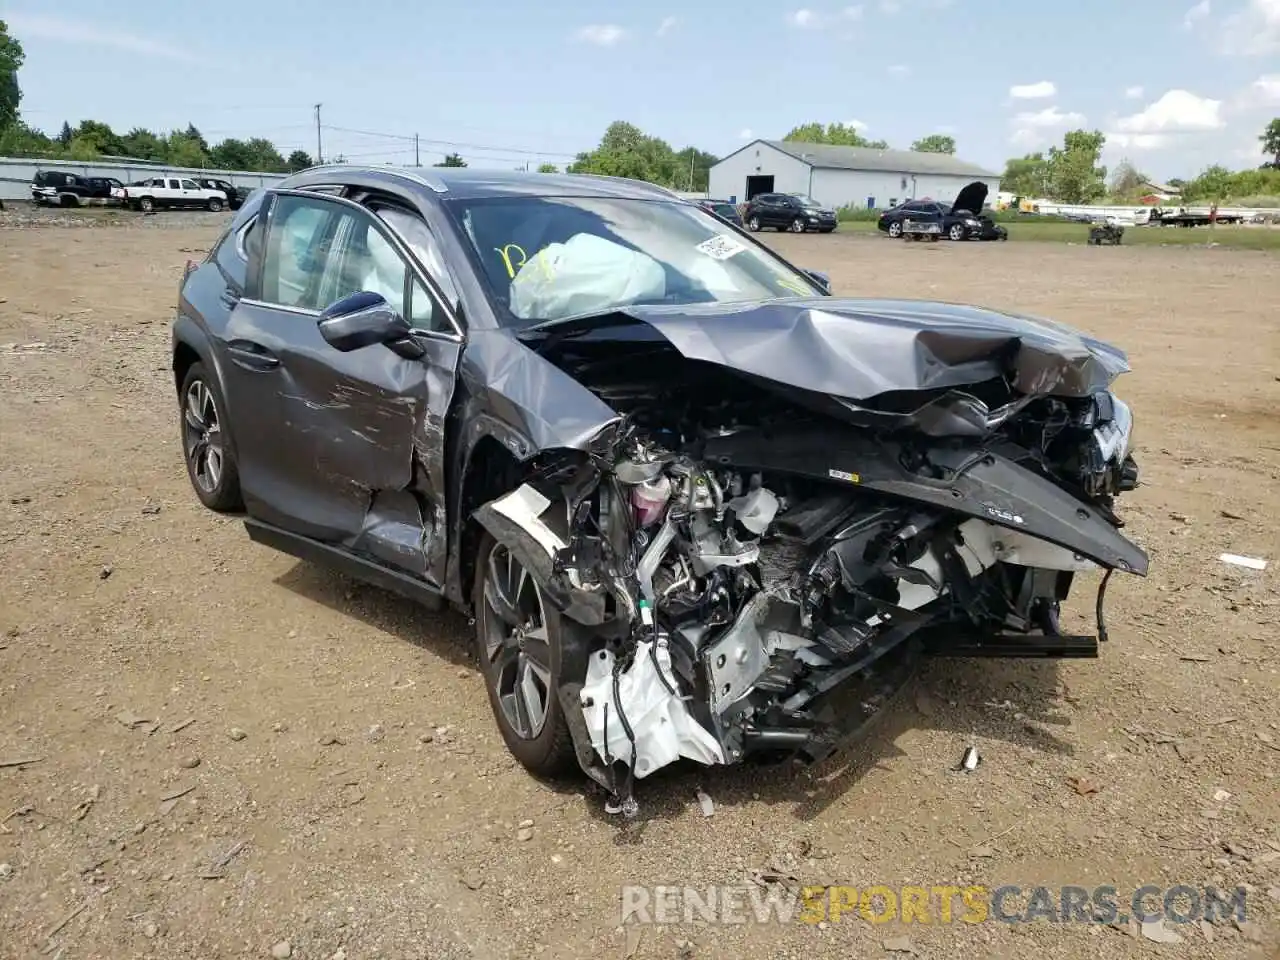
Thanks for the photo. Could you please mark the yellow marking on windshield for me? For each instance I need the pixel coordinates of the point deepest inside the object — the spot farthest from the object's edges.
(794, 285)
(505, 254)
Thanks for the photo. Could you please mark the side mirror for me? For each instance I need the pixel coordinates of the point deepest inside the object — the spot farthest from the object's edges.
(362, 320)
(821, 279)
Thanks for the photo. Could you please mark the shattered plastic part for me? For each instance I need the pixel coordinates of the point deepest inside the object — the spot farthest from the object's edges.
(662, 727)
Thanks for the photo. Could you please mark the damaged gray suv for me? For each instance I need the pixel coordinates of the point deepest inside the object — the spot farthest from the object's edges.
(696, 506)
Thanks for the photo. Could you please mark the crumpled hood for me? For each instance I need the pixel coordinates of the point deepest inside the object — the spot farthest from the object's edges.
(857, 349)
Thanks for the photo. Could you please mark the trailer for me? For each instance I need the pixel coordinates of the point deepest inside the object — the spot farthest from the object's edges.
(1184, 218)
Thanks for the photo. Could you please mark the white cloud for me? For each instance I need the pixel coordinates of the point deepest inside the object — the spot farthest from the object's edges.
(600, 34)
(745, 133)
(1254, 31)
(1197, 13)
(1178, 111)
(24, 26)
(1033, 91)
(665, 26)
(900, 70)
(890, 6)
(803, 18)
(1133, 93)
(1036, 127)
(1137, 141)
(1267, 89)
(855, 124)
(852, 13)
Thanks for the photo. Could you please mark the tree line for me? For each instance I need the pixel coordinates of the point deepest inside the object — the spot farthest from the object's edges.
(1070, 173)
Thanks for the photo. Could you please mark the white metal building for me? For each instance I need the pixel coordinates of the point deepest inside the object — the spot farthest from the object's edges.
(843, 176)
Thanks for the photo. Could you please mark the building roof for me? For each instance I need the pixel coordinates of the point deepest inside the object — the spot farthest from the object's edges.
(826, 156)
(1159, 187)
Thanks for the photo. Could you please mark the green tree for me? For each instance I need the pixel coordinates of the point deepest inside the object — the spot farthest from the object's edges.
(935, 143)
(548, 168)
(65, 135)
(839, 134)
(264, 157)
(231, 154)
(627, 151)
(1074, 173)
(299, 160)
(1213, 185)
(1026, 176)
(693, 169)
(1127, 184)
(1270, 140)
(99, 137)
(191, 133)
(19, 140)
(144, 145)
(11, 58)
(452, 160)
(182, 150)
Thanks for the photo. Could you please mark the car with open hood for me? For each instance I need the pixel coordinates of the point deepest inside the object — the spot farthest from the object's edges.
(961, 219)
(694, 505)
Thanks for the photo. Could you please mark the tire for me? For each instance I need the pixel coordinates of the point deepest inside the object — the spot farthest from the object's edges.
(542, 745)
(753, 224)
(147, 205)
(206, 445)
(895, 229)
(68, 200)
(956, 231)
(797, 226)
(215, 205)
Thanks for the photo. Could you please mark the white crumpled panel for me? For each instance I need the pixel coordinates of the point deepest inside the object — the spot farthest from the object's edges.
(588, 274)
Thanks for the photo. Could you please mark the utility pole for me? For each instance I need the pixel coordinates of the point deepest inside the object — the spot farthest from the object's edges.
(692, 155)
(417, 161)
(319, 146)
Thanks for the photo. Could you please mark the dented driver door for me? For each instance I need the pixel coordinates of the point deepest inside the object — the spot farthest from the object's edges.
(345, 448)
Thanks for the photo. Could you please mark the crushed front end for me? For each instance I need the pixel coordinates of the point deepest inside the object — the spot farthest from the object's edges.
(754, 570)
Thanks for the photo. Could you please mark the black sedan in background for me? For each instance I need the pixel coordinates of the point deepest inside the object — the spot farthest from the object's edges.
(723, 209)
(789, 211)
(960, 220)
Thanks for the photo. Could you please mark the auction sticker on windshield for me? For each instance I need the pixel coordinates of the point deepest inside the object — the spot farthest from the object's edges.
(721, 247)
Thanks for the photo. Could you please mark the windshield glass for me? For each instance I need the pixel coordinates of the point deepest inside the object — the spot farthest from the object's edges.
(552, 258)
(726, 209)
(806, 201)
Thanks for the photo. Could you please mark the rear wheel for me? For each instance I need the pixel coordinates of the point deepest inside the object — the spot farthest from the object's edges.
(146, 205)
(518, 636)
(211, 463)
(754, 224)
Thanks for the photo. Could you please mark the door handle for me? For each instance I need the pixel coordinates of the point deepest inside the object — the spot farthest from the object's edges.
(252, 356)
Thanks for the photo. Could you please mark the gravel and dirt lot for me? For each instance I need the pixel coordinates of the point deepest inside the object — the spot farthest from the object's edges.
(234, 754)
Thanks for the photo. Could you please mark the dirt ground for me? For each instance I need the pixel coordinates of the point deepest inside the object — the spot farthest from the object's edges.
(233, 749)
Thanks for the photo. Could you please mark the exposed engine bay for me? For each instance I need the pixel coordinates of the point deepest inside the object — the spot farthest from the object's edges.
(736, 557)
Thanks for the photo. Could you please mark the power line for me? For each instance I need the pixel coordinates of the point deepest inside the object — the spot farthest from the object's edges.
(448, 143)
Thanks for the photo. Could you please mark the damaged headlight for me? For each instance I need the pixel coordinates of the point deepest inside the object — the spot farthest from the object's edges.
(1113, 434)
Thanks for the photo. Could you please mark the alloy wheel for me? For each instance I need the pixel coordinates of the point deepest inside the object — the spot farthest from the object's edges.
(895, 229)
(754, 224)
(797, 225)
(203, 436)
(516, 643)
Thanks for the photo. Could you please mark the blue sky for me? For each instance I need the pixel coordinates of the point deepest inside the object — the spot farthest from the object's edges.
(1176, 84)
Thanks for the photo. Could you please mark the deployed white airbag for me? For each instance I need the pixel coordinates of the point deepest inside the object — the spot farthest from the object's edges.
(587, 274)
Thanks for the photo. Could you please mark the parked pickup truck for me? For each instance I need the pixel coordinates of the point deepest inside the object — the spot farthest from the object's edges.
(161, 192)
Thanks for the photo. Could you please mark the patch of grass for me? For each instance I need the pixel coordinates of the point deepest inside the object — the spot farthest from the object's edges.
(1050, 231)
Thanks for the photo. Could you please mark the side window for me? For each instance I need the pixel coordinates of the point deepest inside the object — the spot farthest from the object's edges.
(422, 313)
(319, 252)
(189, 185)
(417, 236)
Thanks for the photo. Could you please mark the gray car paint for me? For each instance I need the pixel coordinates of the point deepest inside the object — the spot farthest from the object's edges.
(347, 448)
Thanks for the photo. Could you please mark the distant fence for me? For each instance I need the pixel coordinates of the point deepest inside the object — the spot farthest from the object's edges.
(16, 173)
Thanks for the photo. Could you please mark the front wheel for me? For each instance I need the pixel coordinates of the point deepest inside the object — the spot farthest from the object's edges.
(797, 225)
(956, 231)
(211, 463)
(518, 640)
(895, 229)
(215, 205)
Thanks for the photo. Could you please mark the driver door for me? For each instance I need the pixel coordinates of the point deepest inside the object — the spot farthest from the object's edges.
(343, 448)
